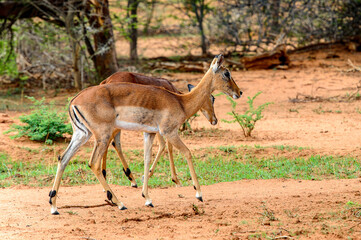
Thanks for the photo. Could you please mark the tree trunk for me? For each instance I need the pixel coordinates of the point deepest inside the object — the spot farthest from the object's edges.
(203, 37)
(103, 54)
(105, 60)
(199, 12)
(275, 9)
(133, 28)
(73, 38)
(76, 66)
(149, 17)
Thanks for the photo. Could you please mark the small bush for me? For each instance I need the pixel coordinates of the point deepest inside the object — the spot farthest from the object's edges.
(248, 120)
(44, 123)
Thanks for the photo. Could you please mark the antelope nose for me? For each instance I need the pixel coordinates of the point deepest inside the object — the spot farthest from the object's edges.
(240, 93)
(215, 121)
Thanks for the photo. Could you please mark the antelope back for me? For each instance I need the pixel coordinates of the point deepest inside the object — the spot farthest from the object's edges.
(207, 108)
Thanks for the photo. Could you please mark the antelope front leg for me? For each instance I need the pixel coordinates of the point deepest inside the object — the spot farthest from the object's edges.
(177, 142)
(148, 143)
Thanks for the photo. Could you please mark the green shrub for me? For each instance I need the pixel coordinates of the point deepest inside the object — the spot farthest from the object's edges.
(248, 120)
(44, 123)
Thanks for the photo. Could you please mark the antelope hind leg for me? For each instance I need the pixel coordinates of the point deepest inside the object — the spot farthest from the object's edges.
(118, 147)
(79, 138)
(95, 165)
(172, 166)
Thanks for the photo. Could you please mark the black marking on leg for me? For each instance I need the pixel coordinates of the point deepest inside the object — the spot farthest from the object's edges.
(200, 199)
(77, 121)
(127, 173)
(77, 109)
(110, 196)
(104, 173)
(113, 143)
(194, 187)
(59, 158)
(143, 195)
(51, 195)
(173, 181)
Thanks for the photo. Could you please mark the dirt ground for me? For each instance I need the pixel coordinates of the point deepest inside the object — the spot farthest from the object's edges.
(267, 209)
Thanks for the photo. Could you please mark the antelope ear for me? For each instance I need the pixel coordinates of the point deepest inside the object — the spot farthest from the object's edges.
(217, 62)
(214, 61)
(213, 99)
(190, 87)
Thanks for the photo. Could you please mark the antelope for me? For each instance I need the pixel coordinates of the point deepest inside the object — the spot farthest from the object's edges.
(102, 110)
(122, 77)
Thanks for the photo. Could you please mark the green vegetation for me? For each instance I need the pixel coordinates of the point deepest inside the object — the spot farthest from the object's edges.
(353, 209)
(248, 120)
(213, 165)
(44, 123)
(186, 127)
(7, 59)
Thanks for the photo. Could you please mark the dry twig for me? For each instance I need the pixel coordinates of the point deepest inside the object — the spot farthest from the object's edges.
(353, 68)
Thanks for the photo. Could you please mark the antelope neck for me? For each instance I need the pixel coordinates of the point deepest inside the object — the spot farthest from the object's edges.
(194, 100)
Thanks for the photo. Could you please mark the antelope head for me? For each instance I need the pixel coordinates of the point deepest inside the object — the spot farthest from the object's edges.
(222, 79)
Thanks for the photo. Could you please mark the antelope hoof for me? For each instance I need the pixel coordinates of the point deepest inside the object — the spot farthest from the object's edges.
(122, 208)
(54, 211)
(199, 196)
(177, 183)
(149, 204)
(134, 185)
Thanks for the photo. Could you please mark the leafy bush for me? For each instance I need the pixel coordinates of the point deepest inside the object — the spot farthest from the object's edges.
(248, 120)
(44, 123)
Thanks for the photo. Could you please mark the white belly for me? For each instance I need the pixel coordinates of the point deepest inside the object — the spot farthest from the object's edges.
(135, 127)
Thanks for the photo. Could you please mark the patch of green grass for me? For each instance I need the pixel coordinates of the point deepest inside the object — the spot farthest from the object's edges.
(287, 148)
(211, 167)
(293, 110)
(353, 209)
(320, 110)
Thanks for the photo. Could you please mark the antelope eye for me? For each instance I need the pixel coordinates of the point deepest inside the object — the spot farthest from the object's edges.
(227, 75)
(212, 99)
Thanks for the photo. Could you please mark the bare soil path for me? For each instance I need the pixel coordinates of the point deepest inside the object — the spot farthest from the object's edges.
(237, 210)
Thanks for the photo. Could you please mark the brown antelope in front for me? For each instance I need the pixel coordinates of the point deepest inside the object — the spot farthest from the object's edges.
(103, 109)
(122, 77)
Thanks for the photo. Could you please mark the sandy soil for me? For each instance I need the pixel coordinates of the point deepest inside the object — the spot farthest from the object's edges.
(302, 209)
(237, 210)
